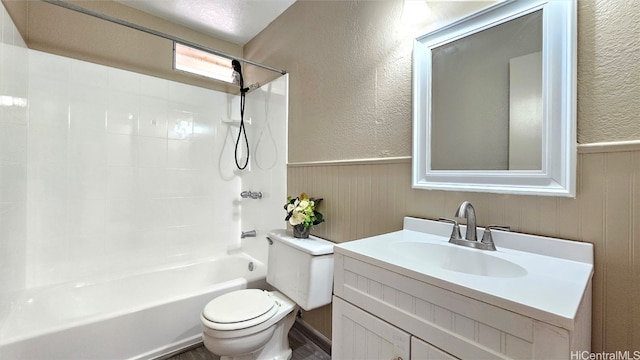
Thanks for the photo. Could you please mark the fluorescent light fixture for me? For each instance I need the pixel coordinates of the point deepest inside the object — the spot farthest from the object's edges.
(186, 58)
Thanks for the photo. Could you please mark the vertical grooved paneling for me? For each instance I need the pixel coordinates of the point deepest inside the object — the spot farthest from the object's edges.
(353, 202)
(617, 281)
(364, 202)
(512, 213)
(567, 219)
(396, 198)
(368, 199)
(403, 191)
(635, 248)
(360, 195)
(592, 199)
(496, 210)
(529, 214)
(547, 216)
(374, 199)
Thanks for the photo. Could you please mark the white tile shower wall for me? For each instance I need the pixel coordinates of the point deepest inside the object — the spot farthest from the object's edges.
(13, 157)
(267, 108)
(9, 33)
(125, 172)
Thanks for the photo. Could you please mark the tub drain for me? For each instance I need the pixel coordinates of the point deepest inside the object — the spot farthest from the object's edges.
(251, 266)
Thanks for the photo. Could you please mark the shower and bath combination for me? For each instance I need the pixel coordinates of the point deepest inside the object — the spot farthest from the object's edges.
(153, 243)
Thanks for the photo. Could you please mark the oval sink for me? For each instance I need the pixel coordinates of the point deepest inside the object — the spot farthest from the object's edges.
(459, 259)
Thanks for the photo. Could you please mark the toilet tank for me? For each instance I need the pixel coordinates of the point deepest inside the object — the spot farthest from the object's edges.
(302, 269)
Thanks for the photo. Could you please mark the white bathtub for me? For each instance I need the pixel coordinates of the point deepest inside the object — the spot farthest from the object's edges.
(136, 317)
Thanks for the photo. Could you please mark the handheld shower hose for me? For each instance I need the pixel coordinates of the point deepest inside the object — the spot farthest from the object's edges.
(242, 130)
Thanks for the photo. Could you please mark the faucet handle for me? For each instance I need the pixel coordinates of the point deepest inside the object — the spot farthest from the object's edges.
(455, 233)
(486, 236)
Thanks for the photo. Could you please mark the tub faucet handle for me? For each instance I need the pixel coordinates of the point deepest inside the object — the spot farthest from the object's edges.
(251, 194)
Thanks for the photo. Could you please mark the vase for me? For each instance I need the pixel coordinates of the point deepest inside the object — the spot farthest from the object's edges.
(300, 231)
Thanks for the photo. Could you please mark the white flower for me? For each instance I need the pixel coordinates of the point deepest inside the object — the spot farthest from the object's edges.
(290, 208)
(297, 218)
(303, 205)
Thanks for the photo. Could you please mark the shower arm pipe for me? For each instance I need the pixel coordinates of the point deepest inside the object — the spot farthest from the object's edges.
(115, 20)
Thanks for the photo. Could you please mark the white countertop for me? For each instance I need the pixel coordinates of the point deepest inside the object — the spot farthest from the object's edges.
(558, 272)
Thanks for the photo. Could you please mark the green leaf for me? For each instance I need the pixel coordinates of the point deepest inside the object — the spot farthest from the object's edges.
(318, 218)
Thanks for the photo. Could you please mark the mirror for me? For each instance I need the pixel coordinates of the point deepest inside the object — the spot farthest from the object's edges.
(494, 101)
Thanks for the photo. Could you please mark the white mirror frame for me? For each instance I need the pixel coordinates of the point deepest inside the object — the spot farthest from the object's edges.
(559, 41)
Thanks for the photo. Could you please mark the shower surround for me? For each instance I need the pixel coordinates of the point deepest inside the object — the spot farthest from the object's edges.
(106, 173)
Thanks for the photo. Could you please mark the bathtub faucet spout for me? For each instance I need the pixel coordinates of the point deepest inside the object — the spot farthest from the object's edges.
(251, 233)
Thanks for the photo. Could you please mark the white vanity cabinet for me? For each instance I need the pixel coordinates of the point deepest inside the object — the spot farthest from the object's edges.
(361, 335)
(364, 336)
(383, 309)
(422, 350)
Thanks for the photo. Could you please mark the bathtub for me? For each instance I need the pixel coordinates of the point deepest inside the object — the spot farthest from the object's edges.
(142, 316)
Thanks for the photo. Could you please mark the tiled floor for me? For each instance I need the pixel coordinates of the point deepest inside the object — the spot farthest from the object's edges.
(303, 349)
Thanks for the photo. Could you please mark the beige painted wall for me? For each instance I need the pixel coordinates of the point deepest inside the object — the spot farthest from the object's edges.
(608, 70)
(350, 67)
(351, 99)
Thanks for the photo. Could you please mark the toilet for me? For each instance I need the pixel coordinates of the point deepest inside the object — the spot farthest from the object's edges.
(254, 323)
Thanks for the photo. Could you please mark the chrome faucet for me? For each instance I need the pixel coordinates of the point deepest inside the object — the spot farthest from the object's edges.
(250, 233)
(467, 210)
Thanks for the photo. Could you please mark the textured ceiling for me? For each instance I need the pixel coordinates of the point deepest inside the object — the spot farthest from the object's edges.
(236, 21)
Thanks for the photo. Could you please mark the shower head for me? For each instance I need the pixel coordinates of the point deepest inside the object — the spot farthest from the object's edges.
(237, 73)
(235, 64)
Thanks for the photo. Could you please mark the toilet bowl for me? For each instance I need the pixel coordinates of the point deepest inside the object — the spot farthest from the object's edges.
(249, 324)
(254, 324)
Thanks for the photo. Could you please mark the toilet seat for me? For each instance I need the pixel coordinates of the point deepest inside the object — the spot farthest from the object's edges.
(240, 309)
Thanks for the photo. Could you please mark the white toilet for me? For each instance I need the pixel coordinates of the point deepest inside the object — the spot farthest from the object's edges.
(253, 323)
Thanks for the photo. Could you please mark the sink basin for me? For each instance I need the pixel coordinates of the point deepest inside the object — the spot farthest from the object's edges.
(459, 259)
(529, 275)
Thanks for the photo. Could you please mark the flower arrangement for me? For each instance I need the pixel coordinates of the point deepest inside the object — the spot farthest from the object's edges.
(302, 214)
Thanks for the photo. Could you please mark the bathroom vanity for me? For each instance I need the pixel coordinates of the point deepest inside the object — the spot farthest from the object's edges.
(412, 295)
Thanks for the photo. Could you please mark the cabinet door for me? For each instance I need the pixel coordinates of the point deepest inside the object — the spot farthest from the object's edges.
(357, 335)
(421, 350)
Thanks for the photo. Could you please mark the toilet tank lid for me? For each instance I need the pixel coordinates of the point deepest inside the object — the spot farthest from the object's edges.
(313, 245)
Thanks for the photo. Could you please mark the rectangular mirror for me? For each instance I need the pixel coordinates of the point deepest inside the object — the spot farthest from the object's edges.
(494, 101)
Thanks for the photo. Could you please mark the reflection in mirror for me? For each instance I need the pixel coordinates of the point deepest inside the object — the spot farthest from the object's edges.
(525, 112)
(494, 101)
(480, 71)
